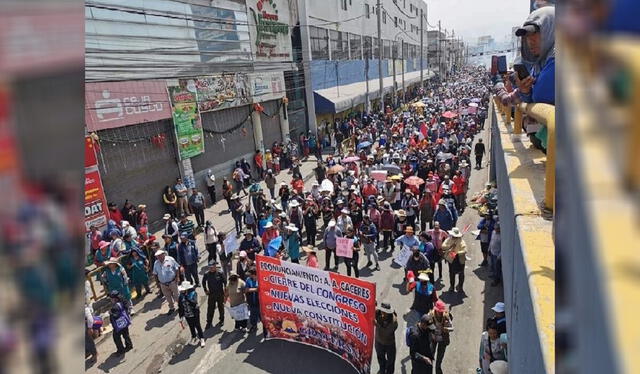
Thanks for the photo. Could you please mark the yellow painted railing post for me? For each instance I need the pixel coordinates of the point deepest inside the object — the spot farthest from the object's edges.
(507, 114)
(550, 178)
(633, 141)
(517, 121)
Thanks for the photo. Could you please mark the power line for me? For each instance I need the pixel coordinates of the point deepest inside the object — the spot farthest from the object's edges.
(401, 11)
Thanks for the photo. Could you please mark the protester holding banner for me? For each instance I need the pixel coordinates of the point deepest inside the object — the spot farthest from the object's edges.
(251, 292)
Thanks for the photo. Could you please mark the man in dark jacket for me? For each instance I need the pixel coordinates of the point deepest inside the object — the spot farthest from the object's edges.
(420, 347)
(386, 324)
(188, 258)
(214, 284)
(479, 152)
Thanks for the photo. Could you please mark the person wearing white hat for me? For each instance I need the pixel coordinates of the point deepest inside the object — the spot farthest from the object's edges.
(500, 317)
(455, 250)
(343, 221)
(386, 323)
(293, 243)
(171, 227)
(189, 310)
(499, 367)
(295, 213)
(270, 233)
(166, 271)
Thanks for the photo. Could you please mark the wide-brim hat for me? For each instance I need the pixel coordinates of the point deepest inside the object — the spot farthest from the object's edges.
(103, 244)
(185, 285)
(499, 367)
(166, 216)
(268, 225)
(463, 163)
(345, 211)
(112, 260)
(294, 204)
(385, 308)
(234, 196)
(455, 232)
(401, 213)
(160, 252)
(442, 202)
(331, 223)
(293, 228)
(423, 277)
(142, 206)
(309, 249)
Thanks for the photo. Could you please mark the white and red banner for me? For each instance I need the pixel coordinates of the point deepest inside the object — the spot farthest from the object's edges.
(319, 308)
(95, 202)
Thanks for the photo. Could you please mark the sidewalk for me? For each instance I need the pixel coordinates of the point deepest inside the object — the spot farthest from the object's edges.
(223, 222)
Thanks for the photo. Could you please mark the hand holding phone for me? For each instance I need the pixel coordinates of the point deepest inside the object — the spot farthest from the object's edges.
(521, 70)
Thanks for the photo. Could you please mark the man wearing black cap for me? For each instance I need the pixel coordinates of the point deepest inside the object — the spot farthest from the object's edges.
(188, 259)
(419, 340)
(214, 284)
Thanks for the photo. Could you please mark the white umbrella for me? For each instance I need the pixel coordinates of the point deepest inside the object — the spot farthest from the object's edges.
(326, 185)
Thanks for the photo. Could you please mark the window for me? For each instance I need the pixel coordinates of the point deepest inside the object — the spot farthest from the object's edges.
(386, 45)
(319, 43)
(384, 17)
(395, 50)
(367, 11)
(367, 47)
(395, 21)
(411, 8)
(339, 50)
(376, 50)
(355, 46)
(343, 4)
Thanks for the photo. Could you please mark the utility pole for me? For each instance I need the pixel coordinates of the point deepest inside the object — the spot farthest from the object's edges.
(421, 49)
(380, 49)
(439, 49)
(367, 106)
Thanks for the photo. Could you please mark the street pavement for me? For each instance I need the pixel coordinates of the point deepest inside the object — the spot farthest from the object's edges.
(160, 342)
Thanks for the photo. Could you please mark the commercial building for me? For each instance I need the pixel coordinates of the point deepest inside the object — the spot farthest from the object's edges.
(174, 88)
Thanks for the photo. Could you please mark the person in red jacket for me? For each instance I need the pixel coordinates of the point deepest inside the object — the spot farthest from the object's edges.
(387, 223)
(369, 189)
(258, 161)
(115, 214)
(458, 192)
(298, 184)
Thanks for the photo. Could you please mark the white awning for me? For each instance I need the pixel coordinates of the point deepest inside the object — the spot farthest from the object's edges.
(340, 98)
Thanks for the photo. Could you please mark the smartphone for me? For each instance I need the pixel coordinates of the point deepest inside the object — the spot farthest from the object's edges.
(521, 70)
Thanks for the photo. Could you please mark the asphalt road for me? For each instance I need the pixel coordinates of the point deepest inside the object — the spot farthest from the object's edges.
(160, 346)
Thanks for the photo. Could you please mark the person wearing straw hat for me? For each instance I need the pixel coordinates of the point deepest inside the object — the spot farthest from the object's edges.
(455, 250)
(189, 310)
(425, 295)
(442, 320)
(312, 258)
(116, 279)
(386, 323)
(166, 271)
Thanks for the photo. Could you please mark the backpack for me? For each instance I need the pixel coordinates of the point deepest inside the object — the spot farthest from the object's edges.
(407, 335)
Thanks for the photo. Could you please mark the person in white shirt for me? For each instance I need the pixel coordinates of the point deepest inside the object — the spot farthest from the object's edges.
(171, 227)
(210, 180)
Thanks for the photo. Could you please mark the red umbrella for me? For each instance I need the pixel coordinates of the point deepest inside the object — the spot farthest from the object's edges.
(414, 181)
(449, 114)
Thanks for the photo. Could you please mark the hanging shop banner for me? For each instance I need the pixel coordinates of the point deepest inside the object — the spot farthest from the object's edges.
(318, 308)
(222, 91)
(269, 29)
(186, 118)
(267, 86)
(95, 202)
(90, 158)
(116, 104)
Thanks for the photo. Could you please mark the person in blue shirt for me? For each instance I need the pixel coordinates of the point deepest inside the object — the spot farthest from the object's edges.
(538, 49)
(188, 258)
(444, 216)
(251, 292)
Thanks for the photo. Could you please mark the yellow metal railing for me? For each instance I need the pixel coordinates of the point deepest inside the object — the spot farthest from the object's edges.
(546, 115)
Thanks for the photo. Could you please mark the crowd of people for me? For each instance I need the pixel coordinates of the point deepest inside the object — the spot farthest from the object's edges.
(396, 181)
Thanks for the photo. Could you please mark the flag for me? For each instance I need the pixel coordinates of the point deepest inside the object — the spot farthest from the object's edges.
(423, 131)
